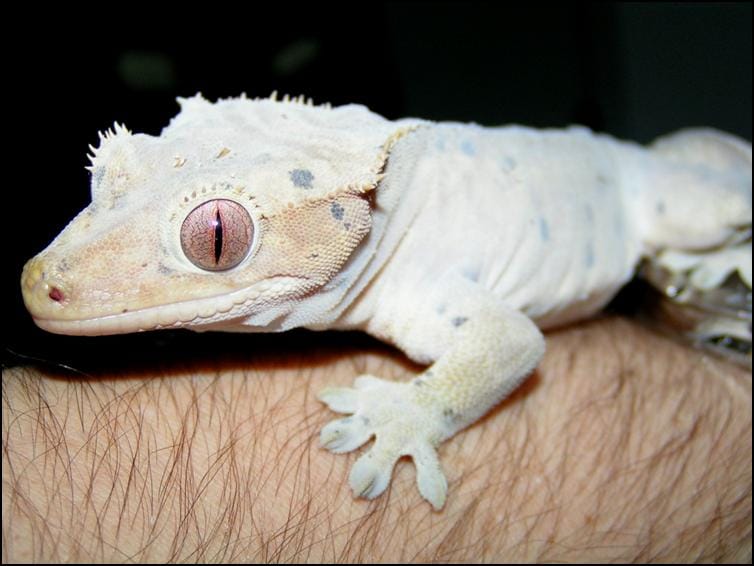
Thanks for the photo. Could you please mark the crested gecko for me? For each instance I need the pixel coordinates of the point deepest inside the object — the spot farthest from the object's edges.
(454, 242)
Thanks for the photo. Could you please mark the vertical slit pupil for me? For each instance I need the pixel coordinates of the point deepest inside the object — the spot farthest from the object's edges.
(218, 236)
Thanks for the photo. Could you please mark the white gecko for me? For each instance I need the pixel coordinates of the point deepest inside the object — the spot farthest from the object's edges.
(456, 243)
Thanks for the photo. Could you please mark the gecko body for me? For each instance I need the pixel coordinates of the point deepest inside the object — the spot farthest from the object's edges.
(454, 242)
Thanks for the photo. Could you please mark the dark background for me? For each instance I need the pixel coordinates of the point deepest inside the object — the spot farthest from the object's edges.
(636, 71)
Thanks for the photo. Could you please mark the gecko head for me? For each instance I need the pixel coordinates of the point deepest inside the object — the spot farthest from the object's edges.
(237, 212)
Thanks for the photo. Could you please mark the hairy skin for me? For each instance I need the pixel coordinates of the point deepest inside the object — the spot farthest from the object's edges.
(623, 446)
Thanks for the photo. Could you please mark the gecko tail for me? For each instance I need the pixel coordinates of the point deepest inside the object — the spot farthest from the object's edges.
(692, 191)
(706, 147)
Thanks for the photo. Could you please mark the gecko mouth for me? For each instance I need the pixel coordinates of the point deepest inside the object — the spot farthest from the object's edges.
(203, 312)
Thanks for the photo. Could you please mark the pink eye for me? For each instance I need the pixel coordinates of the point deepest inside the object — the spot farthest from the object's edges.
(217, 235)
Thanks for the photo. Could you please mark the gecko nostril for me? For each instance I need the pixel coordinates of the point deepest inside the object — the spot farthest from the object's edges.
(56, 294)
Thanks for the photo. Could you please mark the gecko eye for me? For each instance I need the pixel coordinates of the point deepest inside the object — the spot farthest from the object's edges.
(217, 235)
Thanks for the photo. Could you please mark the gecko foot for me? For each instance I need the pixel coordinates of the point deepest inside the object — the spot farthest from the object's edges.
(708, 270)
(402, 426)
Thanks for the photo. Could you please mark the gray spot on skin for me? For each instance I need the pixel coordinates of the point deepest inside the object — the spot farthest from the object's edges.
(302, 178)
(660, 207)
(163, 269)
(468, 148)
(472, 274)
(589, 260)
(544, 230)
(97, 174)
(440, 309)
(337, 211)
(459, 320)
(508, 163)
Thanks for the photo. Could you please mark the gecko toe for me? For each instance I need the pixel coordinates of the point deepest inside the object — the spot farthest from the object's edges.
(344, 435)
(340, 399)
(371, 473)
(429, 476)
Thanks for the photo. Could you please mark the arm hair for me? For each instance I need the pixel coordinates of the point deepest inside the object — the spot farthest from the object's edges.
(622, 446)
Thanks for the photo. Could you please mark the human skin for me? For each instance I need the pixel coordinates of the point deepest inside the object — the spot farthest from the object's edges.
(622, 446)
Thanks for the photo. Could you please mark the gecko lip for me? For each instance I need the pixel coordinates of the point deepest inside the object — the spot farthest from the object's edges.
(203, 311)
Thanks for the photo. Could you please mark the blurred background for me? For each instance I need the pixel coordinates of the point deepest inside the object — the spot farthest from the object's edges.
(633, 70)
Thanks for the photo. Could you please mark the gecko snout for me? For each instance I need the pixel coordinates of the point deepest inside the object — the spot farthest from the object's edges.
(44, 293)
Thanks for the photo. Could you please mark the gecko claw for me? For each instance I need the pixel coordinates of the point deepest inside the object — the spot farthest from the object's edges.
(371, 473)
(344, 435)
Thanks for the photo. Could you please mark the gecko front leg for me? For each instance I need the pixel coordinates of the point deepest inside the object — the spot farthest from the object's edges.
(483, 351)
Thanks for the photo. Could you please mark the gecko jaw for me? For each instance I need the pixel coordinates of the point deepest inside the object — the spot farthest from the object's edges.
(196, 312)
